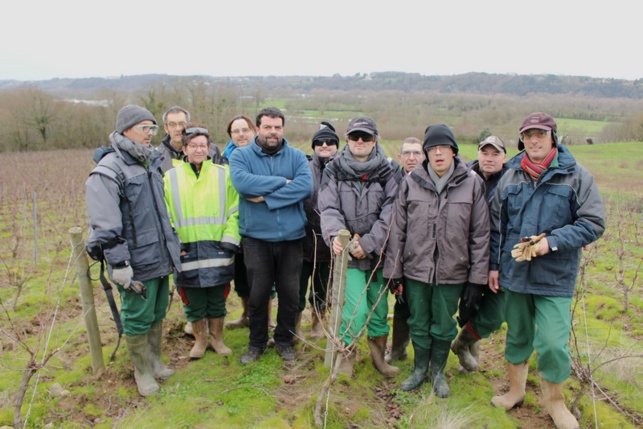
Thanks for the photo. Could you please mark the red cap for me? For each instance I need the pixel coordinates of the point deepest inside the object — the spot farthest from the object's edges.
(539, 120)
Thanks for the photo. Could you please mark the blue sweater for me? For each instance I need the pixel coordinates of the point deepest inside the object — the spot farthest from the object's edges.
(281, 216)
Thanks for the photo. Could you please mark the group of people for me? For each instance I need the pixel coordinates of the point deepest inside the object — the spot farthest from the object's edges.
(494, 241)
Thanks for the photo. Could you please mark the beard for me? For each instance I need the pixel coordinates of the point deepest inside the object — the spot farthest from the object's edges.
(269, 146)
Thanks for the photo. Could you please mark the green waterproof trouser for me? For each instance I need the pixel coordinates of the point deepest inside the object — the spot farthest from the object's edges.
(542, 323)
(432, 310)
(204, 302)
(318, 278)
(137, 314)
(362, 295)
(490, 314)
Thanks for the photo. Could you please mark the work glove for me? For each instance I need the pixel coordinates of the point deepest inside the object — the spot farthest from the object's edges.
(526, 249)
(395, 286)
(472, 294)
(123, 276)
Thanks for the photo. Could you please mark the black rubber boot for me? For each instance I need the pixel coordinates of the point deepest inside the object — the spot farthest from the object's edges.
(439, 355)
(420, 372)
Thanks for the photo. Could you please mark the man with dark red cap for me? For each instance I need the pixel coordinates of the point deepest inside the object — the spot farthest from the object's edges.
(545, 209)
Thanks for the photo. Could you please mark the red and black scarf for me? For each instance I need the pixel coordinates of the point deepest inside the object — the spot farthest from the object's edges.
(536, 169)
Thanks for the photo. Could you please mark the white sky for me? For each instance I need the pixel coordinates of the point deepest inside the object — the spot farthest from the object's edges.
(43, 39)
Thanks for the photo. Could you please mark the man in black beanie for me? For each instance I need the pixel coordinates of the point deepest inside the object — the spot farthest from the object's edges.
(441, 228)
(129, 220)
(317, 255)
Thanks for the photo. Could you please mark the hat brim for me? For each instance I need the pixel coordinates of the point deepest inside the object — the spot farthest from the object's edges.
(536, 126)
(363, 130)
(497, 146)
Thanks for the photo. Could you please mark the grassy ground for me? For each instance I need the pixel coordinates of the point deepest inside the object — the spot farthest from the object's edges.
(219, 392)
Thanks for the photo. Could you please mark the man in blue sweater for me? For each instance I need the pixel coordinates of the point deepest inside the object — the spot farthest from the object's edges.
(273, 180)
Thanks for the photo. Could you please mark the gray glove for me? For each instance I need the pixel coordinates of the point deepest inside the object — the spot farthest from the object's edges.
(123, 276)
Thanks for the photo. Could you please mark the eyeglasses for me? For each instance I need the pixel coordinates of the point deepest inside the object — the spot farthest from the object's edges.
(416, 153)
(197, 130)
(174, 125)
(442, 148)
(195, 147)
(539, 134)
(147, 129)
(364, 136)
(239, 131)
(327, 142)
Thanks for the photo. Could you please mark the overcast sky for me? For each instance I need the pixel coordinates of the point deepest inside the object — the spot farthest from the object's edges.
(73, 38)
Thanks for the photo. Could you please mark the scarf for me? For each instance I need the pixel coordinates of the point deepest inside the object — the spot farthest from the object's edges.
(357, 169)
(139, 152)
(536, 169)
(440, 182)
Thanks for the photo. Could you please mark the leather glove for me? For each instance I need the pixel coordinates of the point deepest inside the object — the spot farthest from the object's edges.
(472, 294)
(395, 286)
(123, 276)
(526, 249)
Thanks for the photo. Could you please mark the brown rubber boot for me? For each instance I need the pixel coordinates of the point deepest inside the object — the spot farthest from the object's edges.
(553, 402)
(200, 330)
(517, 384)
(271, 324)
(317, 329)
(400, 341)
(297, 334)
(216, 337)
(346, 361)
(461, 347)
(378, 348)
(243, 320)
(187, 329)
(139, 351)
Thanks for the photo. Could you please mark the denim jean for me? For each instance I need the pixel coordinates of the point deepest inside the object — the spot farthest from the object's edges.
(272, 263)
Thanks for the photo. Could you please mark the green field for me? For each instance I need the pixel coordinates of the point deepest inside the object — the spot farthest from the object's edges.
(42, 313)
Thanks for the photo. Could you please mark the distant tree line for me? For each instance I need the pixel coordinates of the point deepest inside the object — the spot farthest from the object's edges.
(39, 116)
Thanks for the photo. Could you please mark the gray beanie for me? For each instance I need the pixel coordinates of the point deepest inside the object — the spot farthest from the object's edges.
(131, 115)
(439, 134)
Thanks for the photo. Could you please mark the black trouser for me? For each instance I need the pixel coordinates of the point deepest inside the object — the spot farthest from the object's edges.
(269, 263)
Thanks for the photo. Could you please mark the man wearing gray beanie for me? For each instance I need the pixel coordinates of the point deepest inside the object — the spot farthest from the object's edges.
(441, 227)
(128, 220)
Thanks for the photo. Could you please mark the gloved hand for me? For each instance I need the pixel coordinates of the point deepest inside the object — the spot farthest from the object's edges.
(472, 294)
(123, 276)
(395, 286)
(526, 249)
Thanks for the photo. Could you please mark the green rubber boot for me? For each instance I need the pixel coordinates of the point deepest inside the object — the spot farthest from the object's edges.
(439, 355)
(154, 336)
(139, 351)
(420, 371)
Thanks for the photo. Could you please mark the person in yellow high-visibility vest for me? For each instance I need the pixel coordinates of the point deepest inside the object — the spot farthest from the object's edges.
(203, 207)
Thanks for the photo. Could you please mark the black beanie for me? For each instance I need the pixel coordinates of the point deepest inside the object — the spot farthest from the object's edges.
(326, 132)
(439, 134)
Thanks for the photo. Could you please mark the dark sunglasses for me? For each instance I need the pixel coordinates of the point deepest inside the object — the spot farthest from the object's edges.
(364, 136)
(197, 130)
(327, 141)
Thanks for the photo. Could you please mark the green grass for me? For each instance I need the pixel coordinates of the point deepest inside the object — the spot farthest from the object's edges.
(220, 392)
